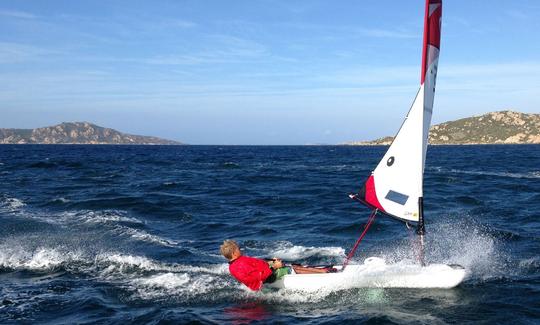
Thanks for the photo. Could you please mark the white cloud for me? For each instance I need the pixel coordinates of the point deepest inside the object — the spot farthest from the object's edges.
(179, 23)
(17, 14)
(385, 33)
(15, 52)
(498, 77)
(219, 49)
(350, 30)
(517, 14)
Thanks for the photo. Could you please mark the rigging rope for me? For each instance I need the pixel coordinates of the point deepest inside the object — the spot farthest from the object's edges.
(366, 227)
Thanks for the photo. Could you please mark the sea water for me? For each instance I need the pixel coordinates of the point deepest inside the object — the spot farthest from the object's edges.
(116, 234)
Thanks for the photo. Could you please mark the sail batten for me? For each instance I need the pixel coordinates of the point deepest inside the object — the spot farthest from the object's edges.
(396, 184)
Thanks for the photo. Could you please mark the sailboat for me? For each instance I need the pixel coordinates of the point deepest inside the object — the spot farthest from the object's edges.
(395, 189)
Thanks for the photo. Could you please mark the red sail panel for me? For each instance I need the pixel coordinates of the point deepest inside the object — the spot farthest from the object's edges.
(432, 32)
(370, 195)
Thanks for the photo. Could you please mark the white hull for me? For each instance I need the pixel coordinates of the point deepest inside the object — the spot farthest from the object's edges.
(375, 273)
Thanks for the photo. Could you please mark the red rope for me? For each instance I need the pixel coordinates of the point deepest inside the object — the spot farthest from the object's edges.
(353, 250)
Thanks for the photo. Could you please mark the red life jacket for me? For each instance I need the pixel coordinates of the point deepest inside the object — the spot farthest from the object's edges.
(250, 271)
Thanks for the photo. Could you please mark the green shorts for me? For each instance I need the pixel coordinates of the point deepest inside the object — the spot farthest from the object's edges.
(282, 271)
(278, 274)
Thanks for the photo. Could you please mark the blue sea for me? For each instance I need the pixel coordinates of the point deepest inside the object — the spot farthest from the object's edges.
(131, 234)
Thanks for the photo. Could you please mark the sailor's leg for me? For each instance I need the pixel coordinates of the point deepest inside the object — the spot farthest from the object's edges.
(306, 270)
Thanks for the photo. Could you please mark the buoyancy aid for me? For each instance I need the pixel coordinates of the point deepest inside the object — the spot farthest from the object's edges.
(250, 271)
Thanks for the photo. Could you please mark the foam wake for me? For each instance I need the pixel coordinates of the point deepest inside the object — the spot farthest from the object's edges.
(116, 222)
(142, 277)
(41, 259)
(290, 252)
(297, 252)
(461, 242)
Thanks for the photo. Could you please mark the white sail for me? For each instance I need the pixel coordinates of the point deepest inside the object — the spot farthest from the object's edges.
(396, 184)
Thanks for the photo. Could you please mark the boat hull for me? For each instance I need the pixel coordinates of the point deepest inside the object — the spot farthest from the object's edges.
(375, 273)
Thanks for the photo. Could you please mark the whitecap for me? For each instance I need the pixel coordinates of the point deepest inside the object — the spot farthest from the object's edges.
(298, 252)
(45, 259)
(211, 269)
(39, 259)
(230, 164)
(11, 204)
(178, 286)
(142, 235)
(165, 280)
(112, 218)
(530, 264)
(117, 264)
(105, 216)
(531, 174)
(61, 200)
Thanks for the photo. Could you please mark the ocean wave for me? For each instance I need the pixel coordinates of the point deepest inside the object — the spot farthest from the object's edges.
(169, 184)
(141, 235)
(288, 251)
(11, 204)
(120, 263)
(177, 286)
(106, 216)
(150, 278)
(530, 175)
(166, 280)
(60, 200)
(114, 222)
(40, 259)
(297, 252)
(43, 164)
(230, 164)
(530, 265)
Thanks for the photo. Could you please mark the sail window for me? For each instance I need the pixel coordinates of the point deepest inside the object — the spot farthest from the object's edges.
(396, 197)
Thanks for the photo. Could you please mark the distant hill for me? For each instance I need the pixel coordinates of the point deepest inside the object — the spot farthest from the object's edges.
(505, 127)
(75, 133)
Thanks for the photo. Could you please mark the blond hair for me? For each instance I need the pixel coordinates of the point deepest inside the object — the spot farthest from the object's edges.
(228, 247)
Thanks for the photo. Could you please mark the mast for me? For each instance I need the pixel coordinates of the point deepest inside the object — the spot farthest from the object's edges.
(421, 230)
(430, 58)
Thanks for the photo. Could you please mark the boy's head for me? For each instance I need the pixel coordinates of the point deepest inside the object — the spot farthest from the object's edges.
(230, 249)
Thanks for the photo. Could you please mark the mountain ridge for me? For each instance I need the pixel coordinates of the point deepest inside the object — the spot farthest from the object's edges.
(501, 127)
(77, 133)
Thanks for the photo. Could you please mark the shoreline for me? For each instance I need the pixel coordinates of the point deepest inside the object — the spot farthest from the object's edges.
(254, 145)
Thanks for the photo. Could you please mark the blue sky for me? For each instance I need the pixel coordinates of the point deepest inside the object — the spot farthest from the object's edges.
(256, 71)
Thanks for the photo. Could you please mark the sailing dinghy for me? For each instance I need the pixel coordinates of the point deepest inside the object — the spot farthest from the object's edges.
(395, 189)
